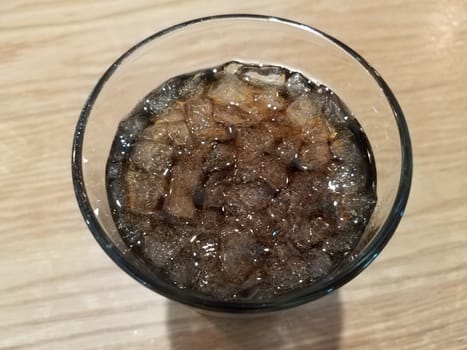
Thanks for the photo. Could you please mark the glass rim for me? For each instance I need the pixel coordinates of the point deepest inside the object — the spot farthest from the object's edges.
(294, 298)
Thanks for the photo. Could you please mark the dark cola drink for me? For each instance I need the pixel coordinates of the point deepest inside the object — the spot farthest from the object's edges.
(241, 181)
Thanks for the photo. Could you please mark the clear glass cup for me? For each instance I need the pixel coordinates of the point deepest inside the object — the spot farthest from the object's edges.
(208, 42)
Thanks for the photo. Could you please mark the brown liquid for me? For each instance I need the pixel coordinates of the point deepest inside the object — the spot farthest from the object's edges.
(241, 182)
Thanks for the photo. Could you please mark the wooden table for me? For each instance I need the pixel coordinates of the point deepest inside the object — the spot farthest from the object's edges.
(59, 290)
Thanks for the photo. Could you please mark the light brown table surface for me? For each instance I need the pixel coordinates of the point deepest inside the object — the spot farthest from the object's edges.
(58, 289)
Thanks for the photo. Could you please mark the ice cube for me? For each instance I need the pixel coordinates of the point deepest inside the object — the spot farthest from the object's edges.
(287, 150)
(304, 193)
(163, 244)
(253, 141)
(256, 113)
(131, 127)
(262, 75)
(230, 116)
(232, 67)
(309, 233)
(169, 116)
(279, 206)
(273, 172)
(259, 223)
(280, 129)
(297, 85)
(293, 270)
(144, 191)
(208, 279)
(205, 247)
(285, 269)
(263, 167)
(244, 198)
(179, 203)
(180, 269)
(320, 264)
(178, 133)
(153, 157)
(199, 107)
(211, 221)
(343, 147)
(258, 292)
(313, 156)
(194, 86)
(238, 254)
(342, 243)
(248, 286)
(352, 210)
(185, 179)
(214, 189)
(156, 134)
(207, 274)
(134, 235)
(270, 99)
(230, 90)
(221, 157)
(201, 122)
(302, 109)
(318, 130)
(169, 127)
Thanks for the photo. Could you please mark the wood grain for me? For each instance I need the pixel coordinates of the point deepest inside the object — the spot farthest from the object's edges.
(58, 289)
